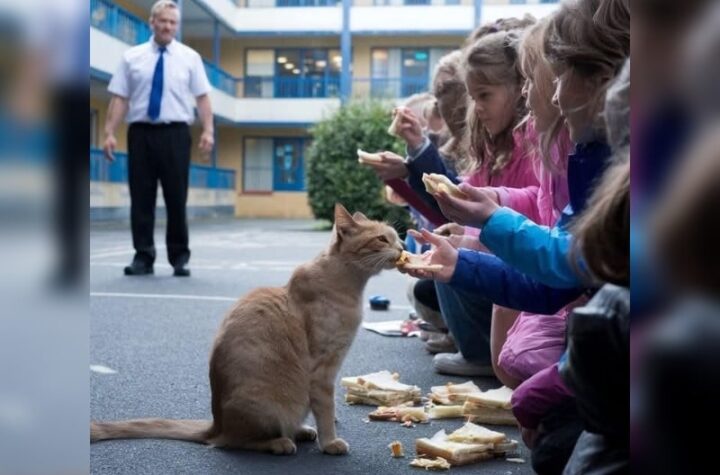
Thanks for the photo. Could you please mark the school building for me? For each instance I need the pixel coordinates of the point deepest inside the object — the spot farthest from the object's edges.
(277, 67)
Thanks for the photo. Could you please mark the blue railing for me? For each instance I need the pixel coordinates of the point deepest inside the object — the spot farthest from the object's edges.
(389, 88)
(117, 172)
(221, 79)
(119, 23)
(290, 3)
(274, 86)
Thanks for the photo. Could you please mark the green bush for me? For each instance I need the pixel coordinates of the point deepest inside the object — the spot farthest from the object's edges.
(334, 174)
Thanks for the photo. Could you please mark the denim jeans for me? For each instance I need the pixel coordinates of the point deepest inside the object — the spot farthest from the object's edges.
(468, 317)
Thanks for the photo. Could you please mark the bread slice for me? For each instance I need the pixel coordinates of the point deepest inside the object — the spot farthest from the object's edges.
(438, 463)
(472, 433)
(393, 129)
(494, 398)
(445, 412)
(399, 414)
(379, 389)
(415, 262)
(453, 394)
(454, 452)
(435, 183)
(485, 415)
(366, 157)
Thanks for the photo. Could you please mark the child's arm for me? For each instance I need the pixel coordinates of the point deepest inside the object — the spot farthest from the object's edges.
(540, 252)
(522, 200)
(502, 284)
(427, 161)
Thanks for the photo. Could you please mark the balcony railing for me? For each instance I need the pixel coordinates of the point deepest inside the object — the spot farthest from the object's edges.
(117, 172)
(221, 79)
(287, 3)
(300, 87)
(119, 23)
(389, 88)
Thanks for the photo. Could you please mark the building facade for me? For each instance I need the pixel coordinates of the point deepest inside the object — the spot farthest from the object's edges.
(277, 67)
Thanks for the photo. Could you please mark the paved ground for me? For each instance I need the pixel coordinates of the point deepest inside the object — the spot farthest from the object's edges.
(155, 333)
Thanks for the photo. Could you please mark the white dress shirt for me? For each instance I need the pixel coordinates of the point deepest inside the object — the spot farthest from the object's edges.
(184, 79)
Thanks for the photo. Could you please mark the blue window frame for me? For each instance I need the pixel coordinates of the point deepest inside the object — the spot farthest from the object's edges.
(274, 164)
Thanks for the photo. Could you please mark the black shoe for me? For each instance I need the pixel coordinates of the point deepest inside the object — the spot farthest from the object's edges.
(138, 268)
(181, 270)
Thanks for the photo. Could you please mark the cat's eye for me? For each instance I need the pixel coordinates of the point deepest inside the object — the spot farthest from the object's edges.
(383, 239)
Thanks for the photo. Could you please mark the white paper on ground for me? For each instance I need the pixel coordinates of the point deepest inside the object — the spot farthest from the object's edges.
(387, 328)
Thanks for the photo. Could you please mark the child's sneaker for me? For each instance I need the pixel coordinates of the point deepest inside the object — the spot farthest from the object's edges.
(440, 343)
(455, 364)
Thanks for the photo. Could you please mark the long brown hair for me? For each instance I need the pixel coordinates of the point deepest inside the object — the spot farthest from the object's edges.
(537, 69)
(602, 231)
(449, 89)
(592, 39)
(492, 60)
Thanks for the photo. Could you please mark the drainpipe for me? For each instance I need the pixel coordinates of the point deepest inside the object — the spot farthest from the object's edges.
(345, 51)
(478, 12)
(180, 10)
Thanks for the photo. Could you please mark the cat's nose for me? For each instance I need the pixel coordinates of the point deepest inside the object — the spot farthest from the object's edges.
(403, 246)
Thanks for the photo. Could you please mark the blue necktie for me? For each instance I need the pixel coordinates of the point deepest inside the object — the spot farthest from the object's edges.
(157, 87)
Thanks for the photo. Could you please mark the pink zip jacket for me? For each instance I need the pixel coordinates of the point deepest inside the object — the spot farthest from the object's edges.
(544, 203)
(520, 173)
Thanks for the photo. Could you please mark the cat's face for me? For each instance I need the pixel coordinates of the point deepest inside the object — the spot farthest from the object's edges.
(369, 244)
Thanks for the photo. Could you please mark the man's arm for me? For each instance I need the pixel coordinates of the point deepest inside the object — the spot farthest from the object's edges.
(116, 112)
(207, 139)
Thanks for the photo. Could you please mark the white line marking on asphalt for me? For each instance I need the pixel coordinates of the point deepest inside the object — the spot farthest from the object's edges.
(163, 296)
(98, 368)
(198, 297)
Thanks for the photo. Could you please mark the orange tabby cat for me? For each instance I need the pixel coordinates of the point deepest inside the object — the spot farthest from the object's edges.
(278, 351)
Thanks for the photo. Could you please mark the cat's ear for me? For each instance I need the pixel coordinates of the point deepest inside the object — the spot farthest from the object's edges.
(358, 216)
(343, 221)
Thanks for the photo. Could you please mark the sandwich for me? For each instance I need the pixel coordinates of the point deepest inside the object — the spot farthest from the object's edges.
(411, 261)
(469, 444)
(445, 412)
(435, 183)
(401, 413)
(438, 463)
(379, 389)
(367, 157)
(453, 394)
(446, 402)
(394, 128)
(490, 407)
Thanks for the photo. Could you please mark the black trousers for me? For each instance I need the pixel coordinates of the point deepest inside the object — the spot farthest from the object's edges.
(159, 152)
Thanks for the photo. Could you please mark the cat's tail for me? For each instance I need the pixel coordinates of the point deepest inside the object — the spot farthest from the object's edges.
(183, 429)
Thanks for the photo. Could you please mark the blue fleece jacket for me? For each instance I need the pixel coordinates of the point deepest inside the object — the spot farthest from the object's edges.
(530, 270)
(542, 252)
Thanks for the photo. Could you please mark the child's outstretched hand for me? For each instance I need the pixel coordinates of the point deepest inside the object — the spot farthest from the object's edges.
(443, 253)
(391, 167)
(410, 129)
(474, 211)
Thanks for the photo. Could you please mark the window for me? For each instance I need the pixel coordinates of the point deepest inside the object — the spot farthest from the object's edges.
(402, 72)
(296, 72)
(259, 71)
(274, 164)
(257, 165)
(288, 166)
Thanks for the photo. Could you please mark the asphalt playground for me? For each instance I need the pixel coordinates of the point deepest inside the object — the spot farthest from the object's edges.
(150, 339)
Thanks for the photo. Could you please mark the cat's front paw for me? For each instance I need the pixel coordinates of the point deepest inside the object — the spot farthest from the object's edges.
(336, 447)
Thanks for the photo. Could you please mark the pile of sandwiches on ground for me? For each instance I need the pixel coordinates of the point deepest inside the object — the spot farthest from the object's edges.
(470, 443)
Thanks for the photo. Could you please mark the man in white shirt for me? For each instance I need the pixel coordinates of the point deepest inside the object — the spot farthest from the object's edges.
(156, 86)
